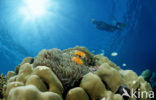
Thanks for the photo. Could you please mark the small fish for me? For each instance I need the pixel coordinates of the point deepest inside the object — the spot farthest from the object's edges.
(114, 54)
(80, 54)
(124, 65)
(77, 60)
(102, 54)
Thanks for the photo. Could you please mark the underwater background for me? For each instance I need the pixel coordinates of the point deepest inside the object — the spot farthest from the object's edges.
(67, 23)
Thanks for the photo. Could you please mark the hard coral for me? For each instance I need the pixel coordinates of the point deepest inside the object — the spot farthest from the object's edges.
(100, 59)
(110, 76)
(77, 94)
(30, 92)
(25, 60)
(41, 77)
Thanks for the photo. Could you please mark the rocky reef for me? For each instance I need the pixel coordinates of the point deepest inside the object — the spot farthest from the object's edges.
(72, 74)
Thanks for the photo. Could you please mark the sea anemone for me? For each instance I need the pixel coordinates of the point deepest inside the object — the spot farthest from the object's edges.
(62, 65)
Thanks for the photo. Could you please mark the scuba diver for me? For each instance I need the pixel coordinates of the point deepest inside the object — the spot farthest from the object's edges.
(108, 27)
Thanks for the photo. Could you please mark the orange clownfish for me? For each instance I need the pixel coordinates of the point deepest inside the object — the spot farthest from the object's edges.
(80, 54)
(77, 60)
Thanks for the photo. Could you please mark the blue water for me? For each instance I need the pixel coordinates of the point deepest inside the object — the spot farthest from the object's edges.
(67, 24)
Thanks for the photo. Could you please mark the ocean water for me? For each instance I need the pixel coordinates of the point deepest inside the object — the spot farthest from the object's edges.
(64, 24)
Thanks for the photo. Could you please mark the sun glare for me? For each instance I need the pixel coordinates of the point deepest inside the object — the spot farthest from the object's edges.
(37, 7)
(34, 8)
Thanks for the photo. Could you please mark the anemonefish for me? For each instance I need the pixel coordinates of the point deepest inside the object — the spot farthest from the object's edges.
(77, 60)
(80, 54)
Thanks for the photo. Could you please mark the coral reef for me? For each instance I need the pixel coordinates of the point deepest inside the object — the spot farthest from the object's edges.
(53, 75)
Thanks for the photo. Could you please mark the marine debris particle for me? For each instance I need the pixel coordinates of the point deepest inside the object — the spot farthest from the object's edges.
(114, 54)
(77, 60)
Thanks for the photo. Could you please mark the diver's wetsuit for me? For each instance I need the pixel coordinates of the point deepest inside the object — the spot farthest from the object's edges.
(107, 27)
